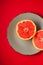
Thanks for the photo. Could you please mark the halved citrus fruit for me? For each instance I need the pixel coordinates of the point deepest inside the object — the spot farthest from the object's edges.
(38, 40)
(25, 29)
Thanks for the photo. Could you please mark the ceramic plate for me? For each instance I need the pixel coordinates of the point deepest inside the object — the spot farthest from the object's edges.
(21, 46)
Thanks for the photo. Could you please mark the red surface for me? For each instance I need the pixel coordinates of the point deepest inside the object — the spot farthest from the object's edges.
(8, 10)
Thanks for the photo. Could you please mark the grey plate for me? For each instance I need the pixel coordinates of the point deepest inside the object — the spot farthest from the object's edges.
(23, 47)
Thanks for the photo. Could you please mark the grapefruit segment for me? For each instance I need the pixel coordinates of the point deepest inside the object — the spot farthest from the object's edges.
(25, 29)
(38, 40)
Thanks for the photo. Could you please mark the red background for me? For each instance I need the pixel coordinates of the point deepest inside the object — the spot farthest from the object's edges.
(8, 10)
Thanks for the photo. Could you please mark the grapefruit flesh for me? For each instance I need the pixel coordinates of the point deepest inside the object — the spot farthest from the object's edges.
(25, 29)
(38, 40)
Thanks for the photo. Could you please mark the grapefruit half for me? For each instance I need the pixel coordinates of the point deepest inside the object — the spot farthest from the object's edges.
(38, 40)
(25, 29)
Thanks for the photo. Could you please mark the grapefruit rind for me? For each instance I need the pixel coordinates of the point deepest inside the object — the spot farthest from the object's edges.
(26, 38)
(34, 43)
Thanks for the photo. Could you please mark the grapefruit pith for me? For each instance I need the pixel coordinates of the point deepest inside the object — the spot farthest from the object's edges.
(25, 29)
(38, 40)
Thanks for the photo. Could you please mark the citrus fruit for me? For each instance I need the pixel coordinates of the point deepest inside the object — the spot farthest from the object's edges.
(38, 40)
(25, 29)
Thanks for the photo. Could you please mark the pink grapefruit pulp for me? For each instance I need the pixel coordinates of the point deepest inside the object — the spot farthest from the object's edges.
(38, 40)
(25, 29)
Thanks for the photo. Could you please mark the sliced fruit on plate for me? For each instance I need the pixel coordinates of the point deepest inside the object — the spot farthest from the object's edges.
(38, 40)
(25, 29)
